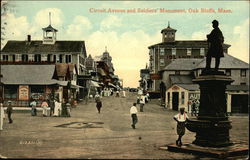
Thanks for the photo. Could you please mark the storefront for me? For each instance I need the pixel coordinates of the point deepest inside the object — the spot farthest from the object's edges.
(29, 83)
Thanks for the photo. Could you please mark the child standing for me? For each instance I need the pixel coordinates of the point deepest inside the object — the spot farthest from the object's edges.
(180, 118)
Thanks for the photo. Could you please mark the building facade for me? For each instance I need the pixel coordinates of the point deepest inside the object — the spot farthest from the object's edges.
(182, 92)
(48, 50)
(162, 54)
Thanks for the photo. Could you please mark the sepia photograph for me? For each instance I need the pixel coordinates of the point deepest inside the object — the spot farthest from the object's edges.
(124, 79)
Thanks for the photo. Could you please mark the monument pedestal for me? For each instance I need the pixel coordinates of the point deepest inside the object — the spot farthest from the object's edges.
(212, 124)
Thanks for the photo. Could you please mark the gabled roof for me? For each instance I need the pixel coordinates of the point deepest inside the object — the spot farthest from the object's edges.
(185, 44)
(29, 75)
(226, 62)
(181, 79)
(32, 47)
(190, 87)
(184, 64)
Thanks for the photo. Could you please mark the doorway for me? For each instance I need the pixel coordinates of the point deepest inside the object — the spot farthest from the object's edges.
(175, 100)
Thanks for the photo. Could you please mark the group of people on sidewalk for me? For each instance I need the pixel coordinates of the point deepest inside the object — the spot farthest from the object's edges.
(51, 108)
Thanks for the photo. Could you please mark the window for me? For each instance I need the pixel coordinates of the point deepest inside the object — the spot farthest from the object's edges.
(189, 51)
(44, 57)
(13, 58)
(10, 92)
(243, 83)
(68, 58)
(61, 58)
(49, 56)
(202, 51)
(37, 58)
(37, 92)
(228, 72)
(5, 57)
(54, 58)
(24, 57)
(177, 72)
(182, 97)
(243, 72)
(162, 51)
(173, 51)
(162, 63)
(18, 57)
(31, 57)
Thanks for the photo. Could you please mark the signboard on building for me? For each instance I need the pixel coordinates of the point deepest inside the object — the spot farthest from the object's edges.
(23, 92)
(155, 76)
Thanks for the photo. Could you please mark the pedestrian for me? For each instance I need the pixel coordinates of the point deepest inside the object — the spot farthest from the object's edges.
(52, 106)
(98, 103)
(142, 102)
(111, 92)
(133, 113)
(45, 106)
(123, 93)
(180, 118)
(33, 107)
(58, 108)
(2, 116)
(9, 111)
(68, 107)
(117, 93)
(138, 100)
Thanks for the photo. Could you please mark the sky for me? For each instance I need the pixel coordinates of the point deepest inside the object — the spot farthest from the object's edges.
(128, 34)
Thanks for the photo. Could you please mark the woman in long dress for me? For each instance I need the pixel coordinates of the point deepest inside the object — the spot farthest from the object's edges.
(45, 108)
(58, 108)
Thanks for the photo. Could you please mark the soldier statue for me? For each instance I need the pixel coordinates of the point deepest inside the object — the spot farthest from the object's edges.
(215, 49)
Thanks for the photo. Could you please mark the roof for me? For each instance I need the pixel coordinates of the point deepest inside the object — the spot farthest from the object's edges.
(237, 88)
(227, 61)
(168, 29)
(63, 68)
(50, 28)
(195, 87)
(180, 79)
(29, 75)
(32, 47)
(186, 64)
(185, 44)
(190, 87)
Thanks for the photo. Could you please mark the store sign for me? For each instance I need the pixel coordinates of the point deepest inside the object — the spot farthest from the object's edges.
(23, 92)
(155, 76)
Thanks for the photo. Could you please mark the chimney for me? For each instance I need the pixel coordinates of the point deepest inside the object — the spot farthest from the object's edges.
(29, 38)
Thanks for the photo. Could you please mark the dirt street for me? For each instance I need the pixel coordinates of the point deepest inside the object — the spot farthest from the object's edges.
(88, 134)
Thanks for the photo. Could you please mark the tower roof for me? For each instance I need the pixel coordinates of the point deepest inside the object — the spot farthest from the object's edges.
(168, 29)
(49, 28)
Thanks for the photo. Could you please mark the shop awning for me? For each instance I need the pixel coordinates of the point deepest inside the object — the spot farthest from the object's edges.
(94, 84)
(111, 85)
(75, 86)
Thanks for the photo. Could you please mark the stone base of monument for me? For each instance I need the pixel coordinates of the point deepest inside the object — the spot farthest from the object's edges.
(236, 149)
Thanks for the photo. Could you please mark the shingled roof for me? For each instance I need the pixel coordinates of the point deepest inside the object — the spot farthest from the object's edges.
(29, 75)
(180, 79)
(184, 64)
(226, 62)
(185, 44)
(39, 47)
